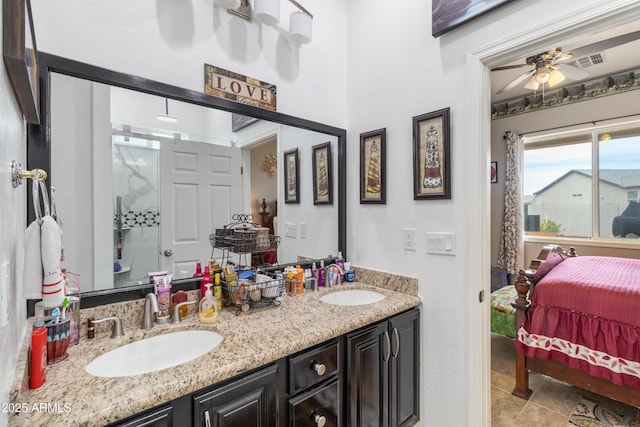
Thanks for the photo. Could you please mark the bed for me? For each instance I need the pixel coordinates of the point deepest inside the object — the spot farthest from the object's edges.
(578, 320)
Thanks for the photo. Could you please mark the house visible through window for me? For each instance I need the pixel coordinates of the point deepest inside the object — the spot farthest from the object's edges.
(583, 184)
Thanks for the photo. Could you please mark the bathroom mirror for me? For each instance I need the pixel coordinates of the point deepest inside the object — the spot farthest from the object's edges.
(98, 123)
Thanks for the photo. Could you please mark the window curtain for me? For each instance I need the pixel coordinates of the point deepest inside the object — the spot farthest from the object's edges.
(511, 241)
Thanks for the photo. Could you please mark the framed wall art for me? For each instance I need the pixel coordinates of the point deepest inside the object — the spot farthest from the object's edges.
(493, 172)
(20, 56)
(373, 167)
(291, 177)
(322, 180)
(449, 14)
(431, 156)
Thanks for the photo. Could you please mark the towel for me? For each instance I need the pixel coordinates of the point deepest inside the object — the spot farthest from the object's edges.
(32, 264)
(51, 249)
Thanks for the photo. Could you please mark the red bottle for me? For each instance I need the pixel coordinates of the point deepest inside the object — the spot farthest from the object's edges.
(198, 272)
(38, 357)
(206, 278)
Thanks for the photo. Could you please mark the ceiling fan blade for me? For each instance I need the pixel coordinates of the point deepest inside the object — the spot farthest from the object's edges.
(571, 72)
(509, 67)
(605, 44)
(517, 81)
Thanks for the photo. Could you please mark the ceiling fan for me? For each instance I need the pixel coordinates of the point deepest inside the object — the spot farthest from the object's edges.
(550, 67)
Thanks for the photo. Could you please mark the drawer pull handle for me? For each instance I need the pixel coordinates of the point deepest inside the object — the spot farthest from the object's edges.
(320, 420)
(207, 419)
(320, 368)
(388, 340)
(397, 339)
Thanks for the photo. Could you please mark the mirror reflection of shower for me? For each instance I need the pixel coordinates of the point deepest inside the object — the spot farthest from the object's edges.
(136, 180)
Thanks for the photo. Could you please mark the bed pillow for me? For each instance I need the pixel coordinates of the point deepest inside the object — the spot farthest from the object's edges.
(554, 258)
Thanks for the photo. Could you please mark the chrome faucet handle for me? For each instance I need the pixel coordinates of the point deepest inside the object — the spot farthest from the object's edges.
(150, 307)
(116, 329)
(327, 282)
(176, 311)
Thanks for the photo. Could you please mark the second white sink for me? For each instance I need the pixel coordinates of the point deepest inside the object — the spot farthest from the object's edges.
(352, 297)
(153, 354)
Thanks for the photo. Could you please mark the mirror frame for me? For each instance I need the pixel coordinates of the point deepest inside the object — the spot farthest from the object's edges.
(39, 148)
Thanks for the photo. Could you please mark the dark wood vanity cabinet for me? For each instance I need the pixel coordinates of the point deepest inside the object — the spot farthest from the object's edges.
(249, 401)
(383, 372)
(157, 417)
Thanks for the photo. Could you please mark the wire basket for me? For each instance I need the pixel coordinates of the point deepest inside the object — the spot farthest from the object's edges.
(262, 291)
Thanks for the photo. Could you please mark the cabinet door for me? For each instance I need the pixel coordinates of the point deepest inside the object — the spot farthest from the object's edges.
(404, 369)
(368, 352)
(157, 417)
(248, 401)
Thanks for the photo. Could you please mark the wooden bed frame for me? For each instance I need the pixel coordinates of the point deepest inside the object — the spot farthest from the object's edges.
(525, 364)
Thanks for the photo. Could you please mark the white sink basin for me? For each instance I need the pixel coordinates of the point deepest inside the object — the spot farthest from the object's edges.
(153, 354)
(352, 297)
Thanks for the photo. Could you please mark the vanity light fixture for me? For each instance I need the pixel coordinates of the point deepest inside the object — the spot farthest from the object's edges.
(268, 12)
(166, 117)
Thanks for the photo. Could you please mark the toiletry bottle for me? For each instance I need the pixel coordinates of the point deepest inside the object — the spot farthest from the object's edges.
(208, 307)
(38, 355)
(206, 278)
(299, 280)
(321, 274)
(307, 281)
(198, 272)
(217, 291)
(340, 263)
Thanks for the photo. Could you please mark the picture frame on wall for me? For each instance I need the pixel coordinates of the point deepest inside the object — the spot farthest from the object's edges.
(373, 167)
(493, 172)
(291, 176)
(449, 14)
(20, 56)
(322, 174)
(432, 156)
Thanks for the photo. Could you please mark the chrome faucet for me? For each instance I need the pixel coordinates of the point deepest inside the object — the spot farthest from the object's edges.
(176, 310)
(327, 269)
(150, 307)
(116, 329)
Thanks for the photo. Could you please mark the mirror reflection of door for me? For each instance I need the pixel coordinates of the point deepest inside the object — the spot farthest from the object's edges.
(201, 189)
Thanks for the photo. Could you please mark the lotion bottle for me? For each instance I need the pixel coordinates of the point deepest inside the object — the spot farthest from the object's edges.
(206, 279)
(208, 307)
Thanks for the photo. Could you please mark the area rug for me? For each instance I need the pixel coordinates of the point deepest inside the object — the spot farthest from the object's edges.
(592, 414)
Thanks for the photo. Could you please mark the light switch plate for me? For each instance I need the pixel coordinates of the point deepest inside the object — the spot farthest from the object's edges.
(409, 239)
(290, 230)
(441, 243)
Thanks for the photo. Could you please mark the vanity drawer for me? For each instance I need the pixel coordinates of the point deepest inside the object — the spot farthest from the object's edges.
(313, 366)
(318, 407)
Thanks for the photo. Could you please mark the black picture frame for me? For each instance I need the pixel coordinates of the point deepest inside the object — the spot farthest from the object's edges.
(291, 177)
(432, 156)
(493, 172)
(373, 188)
(21, 61)
(447, 15)
(322, 174)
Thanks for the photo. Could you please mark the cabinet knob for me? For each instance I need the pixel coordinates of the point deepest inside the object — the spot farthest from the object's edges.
(320, 420)
(320, 368)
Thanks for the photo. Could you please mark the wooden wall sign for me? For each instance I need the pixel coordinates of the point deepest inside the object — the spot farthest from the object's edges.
(236, 87)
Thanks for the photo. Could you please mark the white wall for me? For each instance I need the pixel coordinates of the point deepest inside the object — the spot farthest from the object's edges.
(12, 225)
(397, 70)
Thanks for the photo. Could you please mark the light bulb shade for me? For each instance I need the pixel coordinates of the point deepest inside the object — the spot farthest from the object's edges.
(228, 4)
(532, 84)
(267, 11)
(300, 27)
(542, 75)
(555, 77)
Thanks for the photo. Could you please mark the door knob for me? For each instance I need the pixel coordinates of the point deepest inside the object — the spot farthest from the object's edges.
(168, 252)
(320, 368)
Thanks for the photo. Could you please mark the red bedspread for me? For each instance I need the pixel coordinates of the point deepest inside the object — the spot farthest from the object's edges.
(585, 313)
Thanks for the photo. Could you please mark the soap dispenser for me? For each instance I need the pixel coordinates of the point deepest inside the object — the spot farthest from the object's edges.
(208, 307)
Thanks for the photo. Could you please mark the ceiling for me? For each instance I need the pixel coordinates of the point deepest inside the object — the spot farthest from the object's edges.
(620, 58)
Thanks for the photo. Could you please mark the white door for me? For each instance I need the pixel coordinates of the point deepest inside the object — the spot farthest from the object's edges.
(201, 189)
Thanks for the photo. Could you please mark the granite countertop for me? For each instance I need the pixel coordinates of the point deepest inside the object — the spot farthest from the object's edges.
(251, 340)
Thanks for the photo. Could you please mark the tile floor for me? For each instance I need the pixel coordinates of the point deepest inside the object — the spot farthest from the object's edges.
(551, 403)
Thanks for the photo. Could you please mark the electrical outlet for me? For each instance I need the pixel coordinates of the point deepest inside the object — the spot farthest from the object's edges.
(409, 239)
(4, 293)
(303, 230)
(290, 230)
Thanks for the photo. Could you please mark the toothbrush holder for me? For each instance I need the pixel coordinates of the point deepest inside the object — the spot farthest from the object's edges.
(58, 339)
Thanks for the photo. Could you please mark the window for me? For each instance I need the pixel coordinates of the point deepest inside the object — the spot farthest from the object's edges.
(583, 184)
